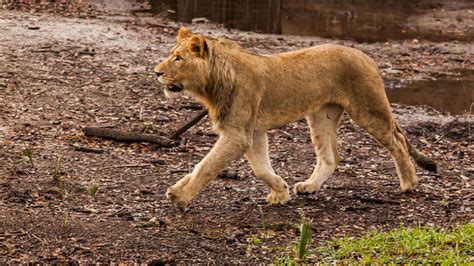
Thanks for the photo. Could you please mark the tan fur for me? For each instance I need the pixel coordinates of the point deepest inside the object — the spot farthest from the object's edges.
(183, 33)
(247, 94)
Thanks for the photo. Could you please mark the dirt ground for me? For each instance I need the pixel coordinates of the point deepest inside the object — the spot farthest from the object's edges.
(60, 72)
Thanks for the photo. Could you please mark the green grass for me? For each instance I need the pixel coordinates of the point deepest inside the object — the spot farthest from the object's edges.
(305, 238)
(91, 191)
(28, 155)
(419, 245)
(298, 251)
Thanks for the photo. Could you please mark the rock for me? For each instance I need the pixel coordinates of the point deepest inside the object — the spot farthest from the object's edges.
(229, 175)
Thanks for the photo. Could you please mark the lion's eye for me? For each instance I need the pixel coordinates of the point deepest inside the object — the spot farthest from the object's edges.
(178, 58)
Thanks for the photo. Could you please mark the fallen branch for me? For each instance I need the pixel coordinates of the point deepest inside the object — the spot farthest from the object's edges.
(124, 136)
(188, 125)
(127, 136)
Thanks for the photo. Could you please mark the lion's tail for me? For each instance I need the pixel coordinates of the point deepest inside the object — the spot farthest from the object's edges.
(421, 159)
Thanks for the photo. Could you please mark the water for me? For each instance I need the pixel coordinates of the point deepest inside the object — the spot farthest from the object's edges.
(452, 95)
(360, 20)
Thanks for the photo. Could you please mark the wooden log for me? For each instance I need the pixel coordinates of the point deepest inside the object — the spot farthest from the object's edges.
(124, 136)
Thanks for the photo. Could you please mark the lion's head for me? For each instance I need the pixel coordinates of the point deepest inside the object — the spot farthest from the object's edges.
(186, 67)
(204, 67)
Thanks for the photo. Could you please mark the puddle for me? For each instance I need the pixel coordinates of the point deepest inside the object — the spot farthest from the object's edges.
(449, 94)
(368, 20)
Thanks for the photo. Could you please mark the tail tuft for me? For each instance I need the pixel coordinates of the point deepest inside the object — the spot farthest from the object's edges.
(420, 159)
(423, 161)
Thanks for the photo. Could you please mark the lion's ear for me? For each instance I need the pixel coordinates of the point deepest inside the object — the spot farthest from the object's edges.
(183, 33)
(197, 45)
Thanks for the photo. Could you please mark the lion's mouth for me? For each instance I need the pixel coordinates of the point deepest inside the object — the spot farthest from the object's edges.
(170, 85)
(175, 87)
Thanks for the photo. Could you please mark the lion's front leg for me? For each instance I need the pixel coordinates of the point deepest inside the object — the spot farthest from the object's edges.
(228, 147)
(259, 160)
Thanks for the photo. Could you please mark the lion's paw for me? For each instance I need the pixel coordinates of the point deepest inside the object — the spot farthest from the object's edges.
(176, 196)
(305, 188)
(278, 197)
(407, 187)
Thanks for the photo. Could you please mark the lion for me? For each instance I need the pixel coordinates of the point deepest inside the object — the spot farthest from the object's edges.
(247, 94)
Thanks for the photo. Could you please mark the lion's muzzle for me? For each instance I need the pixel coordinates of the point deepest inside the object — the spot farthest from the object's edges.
(168, 83)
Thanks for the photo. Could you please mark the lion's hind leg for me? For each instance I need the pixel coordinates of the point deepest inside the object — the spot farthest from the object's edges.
(323, 125)
(259, 160)
(380, 123)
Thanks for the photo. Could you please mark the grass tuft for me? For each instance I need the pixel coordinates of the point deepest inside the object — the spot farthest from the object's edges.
(65, 221)
(91, 191)
(305, 238)
(58, 180)
(298, 251)
(57, 170)
(28, 155)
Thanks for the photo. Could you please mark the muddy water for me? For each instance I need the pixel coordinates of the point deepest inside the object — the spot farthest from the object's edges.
(452, 95)
(375, 20)
(361, 20)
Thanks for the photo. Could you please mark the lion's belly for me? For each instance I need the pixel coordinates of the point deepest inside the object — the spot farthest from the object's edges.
(283, 109)
(269, 121)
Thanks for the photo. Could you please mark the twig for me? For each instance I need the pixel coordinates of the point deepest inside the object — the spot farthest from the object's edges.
(79, 247)
(188, 125)
(126, 166)
(375, 200)
(469, 122)
(177, 171)
(87, 149)
(45, 51)
(91, 53)
(439, 139)
(33, 235)
(191, 106)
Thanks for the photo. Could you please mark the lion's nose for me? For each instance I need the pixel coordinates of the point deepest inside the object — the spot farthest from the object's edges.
(159, 73)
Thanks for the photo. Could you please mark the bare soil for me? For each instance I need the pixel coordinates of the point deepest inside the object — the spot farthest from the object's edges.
(60, 74)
